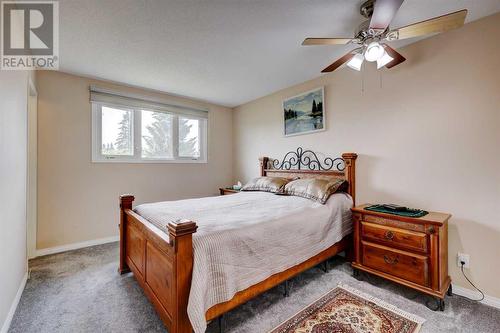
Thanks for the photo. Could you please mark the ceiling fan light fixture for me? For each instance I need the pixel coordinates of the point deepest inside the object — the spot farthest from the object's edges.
(371, 35)
(384, 60)
(374, 51)
(356, 62)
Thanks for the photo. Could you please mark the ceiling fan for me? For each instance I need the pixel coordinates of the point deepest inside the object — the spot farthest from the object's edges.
(371, 34)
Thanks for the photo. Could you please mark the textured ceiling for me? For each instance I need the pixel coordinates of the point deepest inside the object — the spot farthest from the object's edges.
(226, 52)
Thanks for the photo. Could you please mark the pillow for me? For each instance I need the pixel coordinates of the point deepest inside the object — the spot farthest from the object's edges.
(266, 184)
(316, 189)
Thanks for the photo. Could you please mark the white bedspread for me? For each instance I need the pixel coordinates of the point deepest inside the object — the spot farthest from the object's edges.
(244, 238)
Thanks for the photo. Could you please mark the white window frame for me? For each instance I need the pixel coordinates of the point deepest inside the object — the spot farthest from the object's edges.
(98, 157)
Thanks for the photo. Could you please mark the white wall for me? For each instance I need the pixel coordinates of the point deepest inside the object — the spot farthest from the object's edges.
(13, 152)
(427, 132)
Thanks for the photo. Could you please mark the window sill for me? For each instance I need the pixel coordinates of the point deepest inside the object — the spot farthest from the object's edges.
(186, 161)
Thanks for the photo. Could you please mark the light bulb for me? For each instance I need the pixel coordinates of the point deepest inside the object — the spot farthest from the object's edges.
(374, 51)
(356, 62)
(384, 60)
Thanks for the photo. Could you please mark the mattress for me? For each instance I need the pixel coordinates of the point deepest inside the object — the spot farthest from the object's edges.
(244, 238)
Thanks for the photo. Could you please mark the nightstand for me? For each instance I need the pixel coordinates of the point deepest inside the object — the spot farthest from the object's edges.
(409, 251)
(226, 191)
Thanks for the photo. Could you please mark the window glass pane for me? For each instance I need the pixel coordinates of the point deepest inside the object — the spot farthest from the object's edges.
(117, 132)
(189, 137)
(156, 134)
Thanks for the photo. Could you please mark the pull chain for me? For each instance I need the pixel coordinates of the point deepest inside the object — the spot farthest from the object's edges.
(363, 80)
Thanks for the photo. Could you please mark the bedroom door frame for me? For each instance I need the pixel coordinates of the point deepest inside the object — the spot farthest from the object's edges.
(32, 167)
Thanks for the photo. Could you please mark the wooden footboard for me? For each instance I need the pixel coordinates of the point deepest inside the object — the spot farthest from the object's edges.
(161, 264)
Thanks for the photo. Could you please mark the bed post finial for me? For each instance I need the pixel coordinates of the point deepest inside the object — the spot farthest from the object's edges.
(178, 229)
(263, 165)
(125, 203)
(350, 173)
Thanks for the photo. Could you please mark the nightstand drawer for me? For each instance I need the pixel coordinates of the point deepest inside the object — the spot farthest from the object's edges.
(394, 223)
(394, 237)
(405, 265)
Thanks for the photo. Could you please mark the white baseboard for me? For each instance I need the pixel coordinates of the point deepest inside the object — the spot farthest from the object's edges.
(74, 246)
(13, 307)
(473, 294)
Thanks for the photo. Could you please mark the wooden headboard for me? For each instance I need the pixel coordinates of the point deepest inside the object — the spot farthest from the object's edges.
(306, 164)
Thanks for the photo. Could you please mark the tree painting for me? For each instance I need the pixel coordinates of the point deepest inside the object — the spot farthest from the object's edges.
(304, 113)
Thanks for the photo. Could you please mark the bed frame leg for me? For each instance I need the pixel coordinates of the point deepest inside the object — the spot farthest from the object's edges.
(349, 254)
(324, 266)
(125, 203)
(287, 289)
(221, 323)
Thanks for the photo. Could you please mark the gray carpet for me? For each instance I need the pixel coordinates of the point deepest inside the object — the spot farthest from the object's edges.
(81, 291)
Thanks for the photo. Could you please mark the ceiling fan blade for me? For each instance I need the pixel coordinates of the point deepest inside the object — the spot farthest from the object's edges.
(339, 62)
(383, 13)
(326, 41)
(397, 57)
(436, 24)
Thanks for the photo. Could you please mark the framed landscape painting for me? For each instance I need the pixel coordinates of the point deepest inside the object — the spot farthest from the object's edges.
(304, 113)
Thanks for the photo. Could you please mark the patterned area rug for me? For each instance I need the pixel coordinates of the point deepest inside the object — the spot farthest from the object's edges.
(346, 310)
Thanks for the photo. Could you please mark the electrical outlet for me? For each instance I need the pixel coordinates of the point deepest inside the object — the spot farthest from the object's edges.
(463, 257)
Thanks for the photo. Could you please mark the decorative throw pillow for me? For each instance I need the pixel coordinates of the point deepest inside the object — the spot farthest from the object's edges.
(266, 184)
(316, 189)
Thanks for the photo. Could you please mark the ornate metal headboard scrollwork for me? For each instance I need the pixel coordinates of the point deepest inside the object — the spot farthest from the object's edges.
(309, 160)
(306, 163)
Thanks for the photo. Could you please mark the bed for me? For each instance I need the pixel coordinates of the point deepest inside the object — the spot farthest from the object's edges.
(241, 246)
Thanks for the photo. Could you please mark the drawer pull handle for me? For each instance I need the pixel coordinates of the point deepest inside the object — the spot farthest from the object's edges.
(390, 261)
(389, 235)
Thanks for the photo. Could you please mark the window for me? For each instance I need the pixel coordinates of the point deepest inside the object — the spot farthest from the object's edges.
(132, 130)
(157, 135)
(117, 137)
